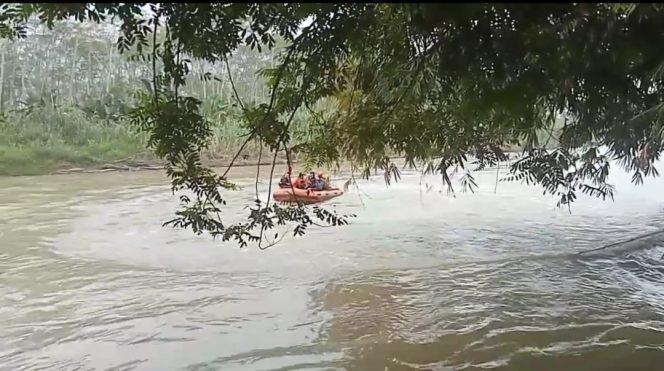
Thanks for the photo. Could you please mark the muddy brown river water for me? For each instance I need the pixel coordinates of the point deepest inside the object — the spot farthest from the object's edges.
(90, 280)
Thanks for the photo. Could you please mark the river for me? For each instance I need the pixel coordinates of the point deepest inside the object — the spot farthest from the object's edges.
(90, 280)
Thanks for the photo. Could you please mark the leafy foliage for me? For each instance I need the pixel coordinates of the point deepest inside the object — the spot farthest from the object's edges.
(445, 85)
(67, 92)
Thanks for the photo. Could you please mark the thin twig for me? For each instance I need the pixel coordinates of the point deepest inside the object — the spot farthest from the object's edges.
(350, 109)
(235, 93)
(495, 188)
(321, 226)
(274, 163)
(237, 154)
(273, 243)
(420, 187)
(154, 61)
(177, 63)
(258, 166)
(246, 115)
(291, 50)
(290, 179)
(354, 181)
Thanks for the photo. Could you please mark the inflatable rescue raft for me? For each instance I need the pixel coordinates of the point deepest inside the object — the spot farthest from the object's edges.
(289, 194)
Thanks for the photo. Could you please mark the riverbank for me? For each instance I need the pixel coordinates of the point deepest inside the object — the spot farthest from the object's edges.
(124, 165)
(42, 164)
(64, 141)
(50, 140)
(75, 162)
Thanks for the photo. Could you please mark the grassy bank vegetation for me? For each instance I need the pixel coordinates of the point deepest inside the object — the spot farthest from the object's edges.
(65, 94)
(44, 140)
(47, 139)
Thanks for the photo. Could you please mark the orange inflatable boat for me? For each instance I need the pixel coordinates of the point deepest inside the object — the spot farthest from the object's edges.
(305, 195)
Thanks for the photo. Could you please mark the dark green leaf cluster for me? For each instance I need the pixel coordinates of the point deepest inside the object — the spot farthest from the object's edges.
(451, 87)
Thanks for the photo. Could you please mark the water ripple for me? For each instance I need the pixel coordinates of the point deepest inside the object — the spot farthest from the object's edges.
(90, 280)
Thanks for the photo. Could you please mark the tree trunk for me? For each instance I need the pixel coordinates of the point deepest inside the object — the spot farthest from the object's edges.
(57, 100)
(23, 90)
(10, 92)
(110, 69)
(204, 82)
(47, 70)
(2, 77)
(89, 73)
(72, 78)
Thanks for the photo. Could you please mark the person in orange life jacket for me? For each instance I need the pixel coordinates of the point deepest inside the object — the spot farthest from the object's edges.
(300, 182)
(285, 181)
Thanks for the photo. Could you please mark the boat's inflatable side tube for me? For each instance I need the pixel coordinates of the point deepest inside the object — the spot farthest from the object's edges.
(305, 195)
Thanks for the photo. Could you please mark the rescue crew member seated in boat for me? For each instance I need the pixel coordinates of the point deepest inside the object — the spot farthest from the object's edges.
(324, 179)
(299, 182)
(315, 182)
(285, 182)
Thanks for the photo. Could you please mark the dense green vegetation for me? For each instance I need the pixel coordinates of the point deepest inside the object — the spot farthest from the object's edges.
(50, 138)
(448, 86)
(65, 94)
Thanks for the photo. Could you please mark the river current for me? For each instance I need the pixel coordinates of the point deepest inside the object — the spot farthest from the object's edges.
(90, 280)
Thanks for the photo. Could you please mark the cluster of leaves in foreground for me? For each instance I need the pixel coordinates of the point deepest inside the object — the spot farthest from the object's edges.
(446, 85)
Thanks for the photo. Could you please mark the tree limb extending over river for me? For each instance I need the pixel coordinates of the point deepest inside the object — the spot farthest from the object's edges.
(435, 83)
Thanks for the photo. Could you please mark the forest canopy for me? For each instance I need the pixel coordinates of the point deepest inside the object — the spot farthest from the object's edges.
(447, 86)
